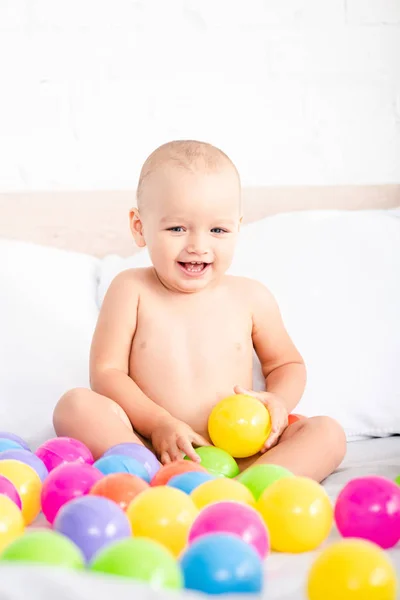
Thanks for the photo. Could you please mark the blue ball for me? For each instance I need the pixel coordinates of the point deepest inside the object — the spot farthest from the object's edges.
(189, 481)
(116, 463)
(222, 563)
(6, 444)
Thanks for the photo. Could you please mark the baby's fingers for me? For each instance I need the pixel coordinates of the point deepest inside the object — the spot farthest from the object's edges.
(185, 445)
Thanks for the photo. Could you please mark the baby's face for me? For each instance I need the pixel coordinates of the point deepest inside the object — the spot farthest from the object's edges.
(190, 226)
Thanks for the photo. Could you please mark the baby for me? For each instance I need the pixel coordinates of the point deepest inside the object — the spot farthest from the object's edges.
(174, 339)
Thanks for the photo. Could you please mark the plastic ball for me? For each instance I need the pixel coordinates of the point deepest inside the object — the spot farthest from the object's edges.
(175, 468)
(240, 425)
(65, 483)
(15, 438)
(28, 458)
(28, 485)
(61, 450)
(44, 547)
(293, 418)
(222, 563)
(6, 444)
(235, 518)
(140, 559)
(219, 490)
(187, 482)
(138, 452)
(118, 463)
(92, 523)
(164, 514)
(352, 570)
(298, 514)
(259, 477)
(8, 489)
(369, 508)
(11, 521)
(122, 488)
(217, 461)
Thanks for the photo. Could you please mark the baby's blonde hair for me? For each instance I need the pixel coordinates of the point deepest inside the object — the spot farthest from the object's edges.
(184, 154)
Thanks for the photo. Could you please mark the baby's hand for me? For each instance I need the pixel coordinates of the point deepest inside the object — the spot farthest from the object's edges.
(277, 411)
(172, 436)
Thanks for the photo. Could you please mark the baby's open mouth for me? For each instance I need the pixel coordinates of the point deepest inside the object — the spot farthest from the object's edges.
(194, 267)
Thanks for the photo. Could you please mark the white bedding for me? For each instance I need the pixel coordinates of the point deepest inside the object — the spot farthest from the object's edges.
(285, 574)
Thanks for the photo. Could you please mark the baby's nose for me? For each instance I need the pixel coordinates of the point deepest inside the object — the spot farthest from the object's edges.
(197, 245)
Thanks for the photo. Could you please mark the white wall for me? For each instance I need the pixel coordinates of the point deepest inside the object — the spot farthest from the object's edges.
(296, 91)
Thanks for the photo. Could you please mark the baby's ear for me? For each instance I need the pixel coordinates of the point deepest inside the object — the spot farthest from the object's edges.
(136, 226)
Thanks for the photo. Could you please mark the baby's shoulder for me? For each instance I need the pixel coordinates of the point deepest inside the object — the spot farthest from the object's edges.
(246, 285)
(133, 280)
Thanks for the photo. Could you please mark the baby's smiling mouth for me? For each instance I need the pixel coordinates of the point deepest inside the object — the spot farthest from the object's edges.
(195, 267)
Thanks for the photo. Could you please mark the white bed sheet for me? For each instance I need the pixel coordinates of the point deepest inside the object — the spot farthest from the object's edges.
(285, 574)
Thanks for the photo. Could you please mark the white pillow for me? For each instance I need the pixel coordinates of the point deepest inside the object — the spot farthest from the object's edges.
(48, 313)
(336, 276)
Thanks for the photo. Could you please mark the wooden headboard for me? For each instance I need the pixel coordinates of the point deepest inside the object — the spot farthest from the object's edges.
(96, 222)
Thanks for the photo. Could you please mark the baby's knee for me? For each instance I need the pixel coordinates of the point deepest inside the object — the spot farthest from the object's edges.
(333, 435)
(70, 406)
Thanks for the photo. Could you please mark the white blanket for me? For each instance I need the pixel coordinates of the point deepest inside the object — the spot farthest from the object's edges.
(285, 574)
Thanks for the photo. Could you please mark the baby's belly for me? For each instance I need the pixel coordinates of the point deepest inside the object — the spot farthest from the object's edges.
(188, 385)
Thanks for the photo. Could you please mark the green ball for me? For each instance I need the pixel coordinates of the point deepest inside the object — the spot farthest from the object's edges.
(141, 559)
(217, 461)
(44, 547)
(259, 477)
(397, 480)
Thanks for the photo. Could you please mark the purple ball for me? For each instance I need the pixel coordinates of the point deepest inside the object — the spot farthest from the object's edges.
(138, 452)
(15, 438)
(92, 522)
(8, 489)
(28, 458)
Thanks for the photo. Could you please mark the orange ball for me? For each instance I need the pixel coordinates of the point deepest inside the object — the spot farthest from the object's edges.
(293, 418)
(175, 468)
(122, 488)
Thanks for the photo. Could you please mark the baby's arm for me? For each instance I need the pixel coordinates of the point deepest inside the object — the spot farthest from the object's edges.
(110, 352)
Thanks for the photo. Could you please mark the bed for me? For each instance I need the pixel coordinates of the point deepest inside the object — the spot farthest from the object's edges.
(58, 253)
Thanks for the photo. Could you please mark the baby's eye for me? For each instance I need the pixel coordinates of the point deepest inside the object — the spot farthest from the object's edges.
(218, 230)
(178, 229)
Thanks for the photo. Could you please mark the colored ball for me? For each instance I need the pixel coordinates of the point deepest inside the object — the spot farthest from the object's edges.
(28, 458)
(259, 477)
(8, 489)
(28, 485)
(240, 425)
(298, 514)
(138, 452)
(12, 436)
(140, 559)
(293, 418)
(118, 463)
(222, 563)
(369, 508)
(92, 523)
(163, 514)
(187, 482)
(65, 483)
(352, 570)
(122, 488)
(397, 480)
(44, 547)
(175, 468)
(61, 450)
(11, 521)
(219, 490)
(6, 444)
(217, 461)
(235, 518)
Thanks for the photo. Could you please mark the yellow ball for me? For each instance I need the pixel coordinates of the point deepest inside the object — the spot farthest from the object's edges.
(240, 425)
(164, 514)
(298, 514)
(219, 490)
(27, 484)
(11, 522)
(352, 569)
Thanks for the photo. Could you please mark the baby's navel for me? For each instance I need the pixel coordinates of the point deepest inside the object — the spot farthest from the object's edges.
(143, 345)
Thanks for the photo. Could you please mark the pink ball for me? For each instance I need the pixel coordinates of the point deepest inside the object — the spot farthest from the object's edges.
(61, 450)
(65, 483)
(235, 518)
(369, 508)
